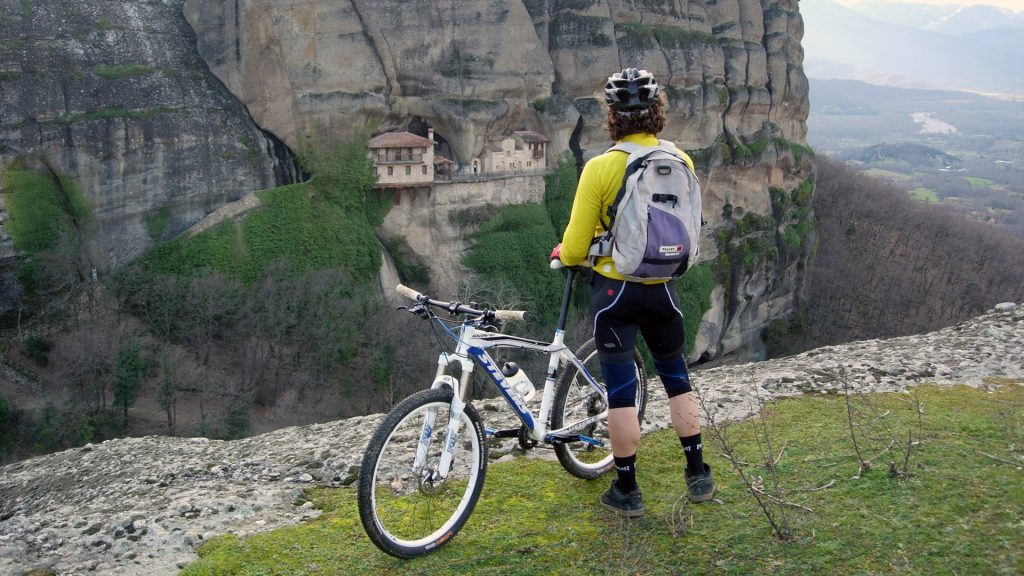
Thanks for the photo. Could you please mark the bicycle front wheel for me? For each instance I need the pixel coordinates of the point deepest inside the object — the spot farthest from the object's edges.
(577, 401)
(407, 508)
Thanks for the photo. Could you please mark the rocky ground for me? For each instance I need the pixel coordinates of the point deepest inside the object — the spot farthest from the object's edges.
(142, 505)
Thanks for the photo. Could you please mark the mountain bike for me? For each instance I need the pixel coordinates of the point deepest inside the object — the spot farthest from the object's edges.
(424, 467)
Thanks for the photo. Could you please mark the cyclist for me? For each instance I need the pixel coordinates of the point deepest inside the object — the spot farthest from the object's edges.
(635, 114)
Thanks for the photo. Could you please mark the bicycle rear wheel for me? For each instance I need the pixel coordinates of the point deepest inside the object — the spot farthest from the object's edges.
(576, 400)
(406, 508)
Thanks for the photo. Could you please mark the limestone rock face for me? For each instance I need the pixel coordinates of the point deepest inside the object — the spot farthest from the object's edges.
(114, 96)
(732, 71)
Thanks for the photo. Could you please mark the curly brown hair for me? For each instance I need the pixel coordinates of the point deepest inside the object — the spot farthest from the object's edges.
(650, 120)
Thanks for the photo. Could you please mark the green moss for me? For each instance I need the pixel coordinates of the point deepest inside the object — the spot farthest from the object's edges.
(540, 104)
(115, 72)
(679, 38)
(803, 194)
(725, 27)
(753, 222)
(41, 207)
(798, 150)
(156, 222)
(599, 39)
(26, 8)
(694, 290)
(671, 92)
(638, 35)
(10, 75)
(414, 273)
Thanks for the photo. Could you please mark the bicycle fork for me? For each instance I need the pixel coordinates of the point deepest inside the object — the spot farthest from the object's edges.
(451, 433)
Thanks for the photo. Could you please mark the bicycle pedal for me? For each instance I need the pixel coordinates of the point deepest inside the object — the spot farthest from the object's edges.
(506, 433)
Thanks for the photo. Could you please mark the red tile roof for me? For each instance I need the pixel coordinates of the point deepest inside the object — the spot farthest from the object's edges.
(399, 140)
(438, 159)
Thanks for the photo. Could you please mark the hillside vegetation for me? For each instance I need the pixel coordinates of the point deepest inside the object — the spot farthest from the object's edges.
(283, 304)
(889, 266)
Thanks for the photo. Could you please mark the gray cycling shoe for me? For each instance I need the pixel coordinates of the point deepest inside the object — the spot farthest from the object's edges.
(700, 486)
(630, 504)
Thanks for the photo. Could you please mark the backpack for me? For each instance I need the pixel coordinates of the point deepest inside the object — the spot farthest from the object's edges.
(653, 229)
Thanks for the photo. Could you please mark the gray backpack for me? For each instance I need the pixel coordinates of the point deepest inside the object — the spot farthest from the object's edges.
(654, 222)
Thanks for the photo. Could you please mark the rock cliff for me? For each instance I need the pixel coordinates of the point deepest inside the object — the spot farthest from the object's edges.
(142, 505)
(114, 96)
(119, 96)
(732, 71)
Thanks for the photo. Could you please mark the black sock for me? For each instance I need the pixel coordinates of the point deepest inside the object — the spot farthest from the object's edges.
(694, 451)
(626, 467)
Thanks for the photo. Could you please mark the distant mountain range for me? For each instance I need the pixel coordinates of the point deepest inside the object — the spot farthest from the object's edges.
(977, 49)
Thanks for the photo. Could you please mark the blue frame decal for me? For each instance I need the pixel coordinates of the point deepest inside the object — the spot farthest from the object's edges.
(487, 363)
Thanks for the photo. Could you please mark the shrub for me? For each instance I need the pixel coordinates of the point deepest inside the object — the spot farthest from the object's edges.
(38, 349)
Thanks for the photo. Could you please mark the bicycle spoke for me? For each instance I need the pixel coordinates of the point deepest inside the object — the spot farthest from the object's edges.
(407, 507)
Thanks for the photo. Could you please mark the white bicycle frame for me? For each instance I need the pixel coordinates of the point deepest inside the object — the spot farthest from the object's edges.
(472, 349)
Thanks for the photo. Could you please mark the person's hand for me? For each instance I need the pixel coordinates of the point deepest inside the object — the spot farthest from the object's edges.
(556, 252)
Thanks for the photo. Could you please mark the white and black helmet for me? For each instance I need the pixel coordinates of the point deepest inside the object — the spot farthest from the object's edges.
(631, 89)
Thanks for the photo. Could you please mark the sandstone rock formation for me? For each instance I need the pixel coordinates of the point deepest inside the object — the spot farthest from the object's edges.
(114, 96)
(142, 505)
(732, 71)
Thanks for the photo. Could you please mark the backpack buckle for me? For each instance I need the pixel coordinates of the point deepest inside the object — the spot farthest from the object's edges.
(665, 198)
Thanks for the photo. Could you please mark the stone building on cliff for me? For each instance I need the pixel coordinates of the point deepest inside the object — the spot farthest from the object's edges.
(522, 151)
(402, 160)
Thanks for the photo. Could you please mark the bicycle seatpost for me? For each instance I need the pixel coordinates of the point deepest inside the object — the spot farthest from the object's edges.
(565, 298)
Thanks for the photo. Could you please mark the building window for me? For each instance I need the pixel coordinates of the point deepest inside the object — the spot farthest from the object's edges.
(408, 170)
(375, 171)
(424, 167)
(391, 170)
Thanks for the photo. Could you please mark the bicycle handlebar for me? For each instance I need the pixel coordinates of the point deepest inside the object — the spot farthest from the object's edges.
(456, 308)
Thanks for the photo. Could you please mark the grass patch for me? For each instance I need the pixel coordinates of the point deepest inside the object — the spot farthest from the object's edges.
(958, 513)
(926, 195)
(976, 182)
(887, 174)
(309, 231)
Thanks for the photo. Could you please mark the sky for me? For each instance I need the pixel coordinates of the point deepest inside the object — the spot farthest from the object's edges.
(1016, 5)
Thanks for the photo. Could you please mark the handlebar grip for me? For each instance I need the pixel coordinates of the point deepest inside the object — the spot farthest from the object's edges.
(408, 292)
(557, 264)
(510, 314)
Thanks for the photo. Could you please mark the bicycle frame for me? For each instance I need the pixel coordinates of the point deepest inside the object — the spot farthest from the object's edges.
(471, 348)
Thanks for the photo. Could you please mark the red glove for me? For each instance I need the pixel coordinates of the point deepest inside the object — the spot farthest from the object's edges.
(556, 253)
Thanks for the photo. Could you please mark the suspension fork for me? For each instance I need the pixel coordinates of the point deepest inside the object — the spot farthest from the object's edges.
(460, 395)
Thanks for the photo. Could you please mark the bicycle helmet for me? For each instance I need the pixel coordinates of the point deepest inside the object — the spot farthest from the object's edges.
(631, 89)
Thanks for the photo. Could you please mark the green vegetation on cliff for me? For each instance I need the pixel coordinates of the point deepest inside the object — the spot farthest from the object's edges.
(326, 222)
(42, 206)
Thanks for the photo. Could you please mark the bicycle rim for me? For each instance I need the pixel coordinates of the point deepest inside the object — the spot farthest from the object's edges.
(408, 510)
(577, 401)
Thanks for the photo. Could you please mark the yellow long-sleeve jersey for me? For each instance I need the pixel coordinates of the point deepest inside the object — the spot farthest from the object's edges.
(599, 183)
